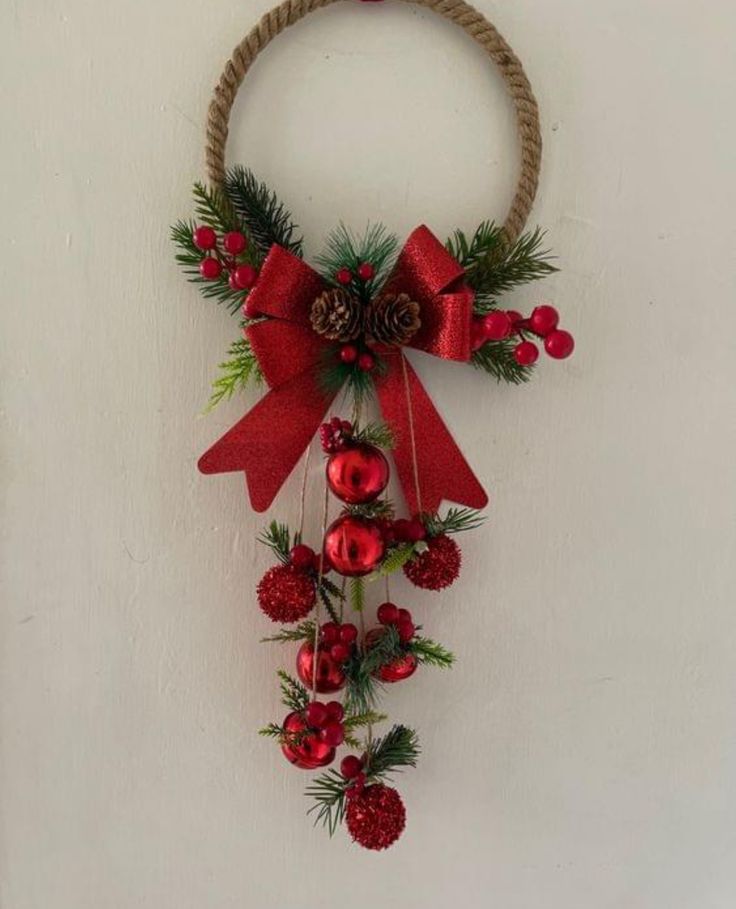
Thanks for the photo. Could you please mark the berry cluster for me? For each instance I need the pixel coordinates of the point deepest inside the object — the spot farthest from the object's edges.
(364, 272)
(327, 721)
(335, 435)
(351, 767)
(338, 639)
(223, 254)
(389, 614)
(310, 736)
(543, 322)
(304, 558)
(403, 530)
(364, 360)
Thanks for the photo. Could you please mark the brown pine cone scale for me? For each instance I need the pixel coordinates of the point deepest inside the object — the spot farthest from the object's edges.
(392, 319)
(337, 315)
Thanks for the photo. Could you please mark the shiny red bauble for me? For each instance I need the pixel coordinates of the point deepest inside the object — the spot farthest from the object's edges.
(559, 344)
(354, 546)
(358, 474)
(376, 817)
(330, 676)
(543, 319)
(285, 594)
(397, 670)
(437, 567)
(303, 748)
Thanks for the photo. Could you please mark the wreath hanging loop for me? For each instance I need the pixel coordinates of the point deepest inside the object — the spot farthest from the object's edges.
(457, 11)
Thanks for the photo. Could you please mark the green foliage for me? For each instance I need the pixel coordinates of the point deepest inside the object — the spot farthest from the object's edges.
(343, 249)
(486, 241)
(431, 653)
(278, 538)
(361, 690)
(455, 521)
(304, 631)
(358, 721)
(357, 594)
(328, 791)
(378, 434)
(398, 748)
(294, 696)
(497, 359)
(395, 559)
(357, 384)
(189, 257)
(381, 508)
(272, 730)
(326, 599)
(266, 219)
(237, 371)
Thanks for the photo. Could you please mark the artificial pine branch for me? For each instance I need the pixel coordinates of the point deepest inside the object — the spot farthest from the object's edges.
(189, 257)
(486, 240)
(378, 434)
(273, 730)
(508, 266)
(212, 207)
(357, 594)
(398, 748)
(381, 508)
(456, 520)
(497, 359)
(294, 695)
(430, 653)
(304, 631)
(237, 371)
(394, 560)
(328, 604)
(266, 219)
(328, 791)
(277, 537)
(343, 249)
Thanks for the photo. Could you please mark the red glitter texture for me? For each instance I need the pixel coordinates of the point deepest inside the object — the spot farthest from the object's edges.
(437, 567)
(376, 817)
(286, 595)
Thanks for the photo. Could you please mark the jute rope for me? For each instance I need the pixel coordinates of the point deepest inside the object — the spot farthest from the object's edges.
(457, 11)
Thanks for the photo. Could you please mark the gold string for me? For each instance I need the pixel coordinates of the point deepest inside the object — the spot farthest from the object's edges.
(412, 437)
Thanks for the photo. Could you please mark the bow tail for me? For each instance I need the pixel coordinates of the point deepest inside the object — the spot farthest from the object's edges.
(269, 440)
(442, 470)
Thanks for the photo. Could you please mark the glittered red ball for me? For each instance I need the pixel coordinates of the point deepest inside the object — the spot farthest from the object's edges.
(437, 567)
(330, 676)
(306, 751)
(376, 817)
(354, 546)
(559, 344)
(285, 594)
(397, 670)
(357, 474)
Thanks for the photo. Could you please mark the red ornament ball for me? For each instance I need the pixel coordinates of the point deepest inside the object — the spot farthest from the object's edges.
(234, 242)
(350, 766)
(302, 557)
(397, 670)
(245, 276)
(204, 238)
(354, 546)
(357, 474)
(366, 271)
(559, 344)
(543, 319)
(343, 276)
(330, 677)
(526, 353)
(210, 268)
(437, 567)
(285, 594)
(304, 751)
(496, 326)
(376, 817)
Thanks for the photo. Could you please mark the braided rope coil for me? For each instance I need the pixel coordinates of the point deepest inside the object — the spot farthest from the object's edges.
(457, 11)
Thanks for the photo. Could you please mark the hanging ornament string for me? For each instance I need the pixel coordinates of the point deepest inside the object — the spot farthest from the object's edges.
(457, 11)
(320, 576)
(412, 435)
(303, 490)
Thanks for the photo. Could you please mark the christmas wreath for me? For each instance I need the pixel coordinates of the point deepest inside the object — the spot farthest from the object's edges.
(334, 335)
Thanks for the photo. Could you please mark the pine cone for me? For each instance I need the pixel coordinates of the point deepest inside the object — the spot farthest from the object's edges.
(337, 315)
(392, 319)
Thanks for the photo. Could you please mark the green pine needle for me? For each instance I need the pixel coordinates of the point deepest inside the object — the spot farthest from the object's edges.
(304, 631)
(344, 249)
(266, 219)
(397, 749)
(357, 594)
(328, 792)
(497, 359)
(277, 537)
(394, 560)
(237, 372)
(456, 520)
(273, 730)
(431, 653)
(378, 434)
(294, 696)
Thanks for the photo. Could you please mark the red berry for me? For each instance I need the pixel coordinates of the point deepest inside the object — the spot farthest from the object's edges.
(344, 276)
(332, 734)
(496, 326)
(356, 787)
(406, 630)
(404, 615)
(232, 283)
(387, 614)
(348, 633)
(330, 632)
(335, 710)
(477, 334)
(234, 242)
(543, 319)
(350, 766)
(366, 362)
(346, 427)
(316, 714)
(210, 268)
(526, 353)
(559, 344)
(204, 238)
(415, 531)
(401, 530)
(301, 557)
(366, 271)
(349, 353)
(514, 316)
(245, 276)
(339, 653)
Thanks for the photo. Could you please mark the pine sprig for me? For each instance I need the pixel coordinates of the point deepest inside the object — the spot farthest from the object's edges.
(378, 434)
(266, 219)
(398, 748)
(486, 240)
(212, 207)
(328, 791)
(357, 384)
(327, 602)
(278, 538)
(381, 508)
(237, 371)
(394, 560)
(344, 249)
(357, 594)
(294, 695)
(304, 631)
(497, 359)
(456, 520)
(189, 257)
(430, 653)
(272, 730)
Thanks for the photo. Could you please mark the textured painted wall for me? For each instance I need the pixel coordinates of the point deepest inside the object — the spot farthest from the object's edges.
(582, 753)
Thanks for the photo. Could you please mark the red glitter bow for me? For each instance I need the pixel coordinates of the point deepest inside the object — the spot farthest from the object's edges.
(269, 440)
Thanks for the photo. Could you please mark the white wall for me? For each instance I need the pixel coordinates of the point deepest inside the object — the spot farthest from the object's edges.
(582, 753)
